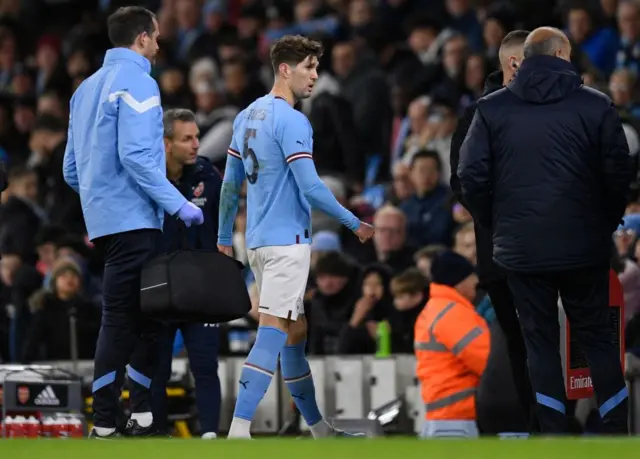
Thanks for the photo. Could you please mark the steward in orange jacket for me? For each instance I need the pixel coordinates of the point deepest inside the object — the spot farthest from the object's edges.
(452, 344)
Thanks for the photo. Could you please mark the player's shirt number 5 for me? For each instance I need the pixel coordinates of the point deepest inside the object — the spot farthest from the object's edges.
(247, 152)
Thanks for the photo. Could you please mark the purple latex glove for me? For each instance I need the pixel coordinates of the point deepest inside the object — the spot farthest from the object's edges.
(190, 214)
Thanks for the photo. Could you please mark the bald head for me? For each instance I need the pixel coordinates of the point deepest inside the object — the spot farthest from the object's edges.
(547, 41)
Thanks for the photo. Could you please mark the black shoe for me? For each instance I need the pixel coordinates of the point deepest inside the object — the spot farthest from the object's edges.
(113, 435)
(133, 429)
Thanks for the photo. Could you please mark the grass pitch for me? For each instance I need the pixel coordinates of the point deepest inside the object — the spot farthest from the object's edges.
(341, 448)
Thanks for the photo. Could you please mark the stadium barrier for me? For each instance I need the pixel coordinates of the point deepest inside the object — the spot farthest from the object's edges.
(347, 388)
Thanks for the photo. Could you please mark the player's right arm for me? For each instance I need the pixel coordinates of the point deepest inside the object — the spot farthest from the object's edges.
(295, 137)
(230, 192)
(138, 107)
(69, 170)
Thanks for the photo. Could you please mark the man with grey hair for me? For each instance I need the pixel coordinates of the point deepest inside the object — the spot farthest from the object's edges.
(545, 165)
(199, 182)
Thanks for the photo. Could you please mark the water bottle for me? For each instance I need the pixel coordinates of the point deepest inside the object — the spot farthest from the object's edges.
(61, 427)
(19, 427)
(47, 427)
(8, 427)
(75, 428)
(383, 335)
(33, 427)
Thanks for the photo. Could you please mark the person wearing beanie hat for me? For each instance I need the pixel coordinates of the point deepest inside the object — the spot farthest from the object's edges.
(452, 343)
(324, 242)
(455, 271)
(337, 281)
(62, 267)
(48, 336)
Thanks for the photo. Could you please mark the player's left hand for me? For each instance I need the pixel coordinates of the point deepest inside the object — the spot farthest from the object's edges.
(226, 249)
(364, 232)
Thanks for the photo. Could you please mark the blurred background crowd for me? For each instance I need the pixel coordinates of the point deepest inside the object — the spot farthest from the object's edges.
(395, 77)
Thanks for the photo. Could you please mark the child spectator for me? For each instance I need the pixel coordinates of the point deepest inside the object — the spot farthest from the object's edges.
(410, 293)
(375, 304)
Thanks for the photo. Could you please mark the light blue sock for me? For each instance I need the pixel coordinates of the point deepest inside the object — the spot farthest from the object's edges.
(258, 370)
(297, 376)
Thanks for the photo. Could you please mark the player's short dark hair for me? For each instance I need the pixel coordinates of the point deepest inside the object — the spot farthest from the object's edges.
(427, 154)
(515, 37)
(293, 49)
(126, 23)
(176, 114)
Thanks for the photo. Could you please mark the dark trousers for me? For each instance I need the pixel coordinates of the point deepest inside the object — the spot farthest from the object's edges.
(585, 298)
(505, 310)
(202, 342)
(125, 337)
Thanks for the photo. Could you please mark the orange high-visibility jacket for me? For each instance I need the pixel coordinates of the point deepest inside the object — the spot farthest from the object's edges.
(452, 344)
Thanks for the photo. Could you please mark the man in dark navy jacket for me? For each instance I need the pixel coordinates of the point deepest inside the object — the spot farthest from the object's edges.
(546, 165)
(492, 278)
(200, 183)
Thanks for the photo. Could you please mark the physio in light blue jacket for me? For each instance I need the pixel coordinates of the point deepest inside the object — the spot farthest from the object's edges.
(115, 160)
(115, 155)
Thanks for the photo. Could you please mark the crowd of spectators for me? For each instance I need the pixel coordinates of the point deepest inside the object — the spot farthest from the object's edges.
(395, 76)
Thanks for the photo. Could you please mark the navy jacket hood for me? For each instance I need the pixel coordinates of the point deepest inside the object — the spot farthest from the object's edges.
(545, 80)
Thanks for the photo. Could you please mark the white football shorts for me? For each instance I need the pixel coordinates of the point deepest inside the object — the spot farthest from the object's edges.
(281, 274)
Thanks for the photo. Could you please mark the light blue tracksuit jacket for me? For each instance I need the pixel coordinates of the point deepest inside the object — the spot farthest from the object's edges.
(115, 154)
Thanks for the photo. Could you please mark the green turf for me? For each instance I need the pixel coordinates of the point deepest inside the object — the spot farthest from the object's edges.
(325, 449)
